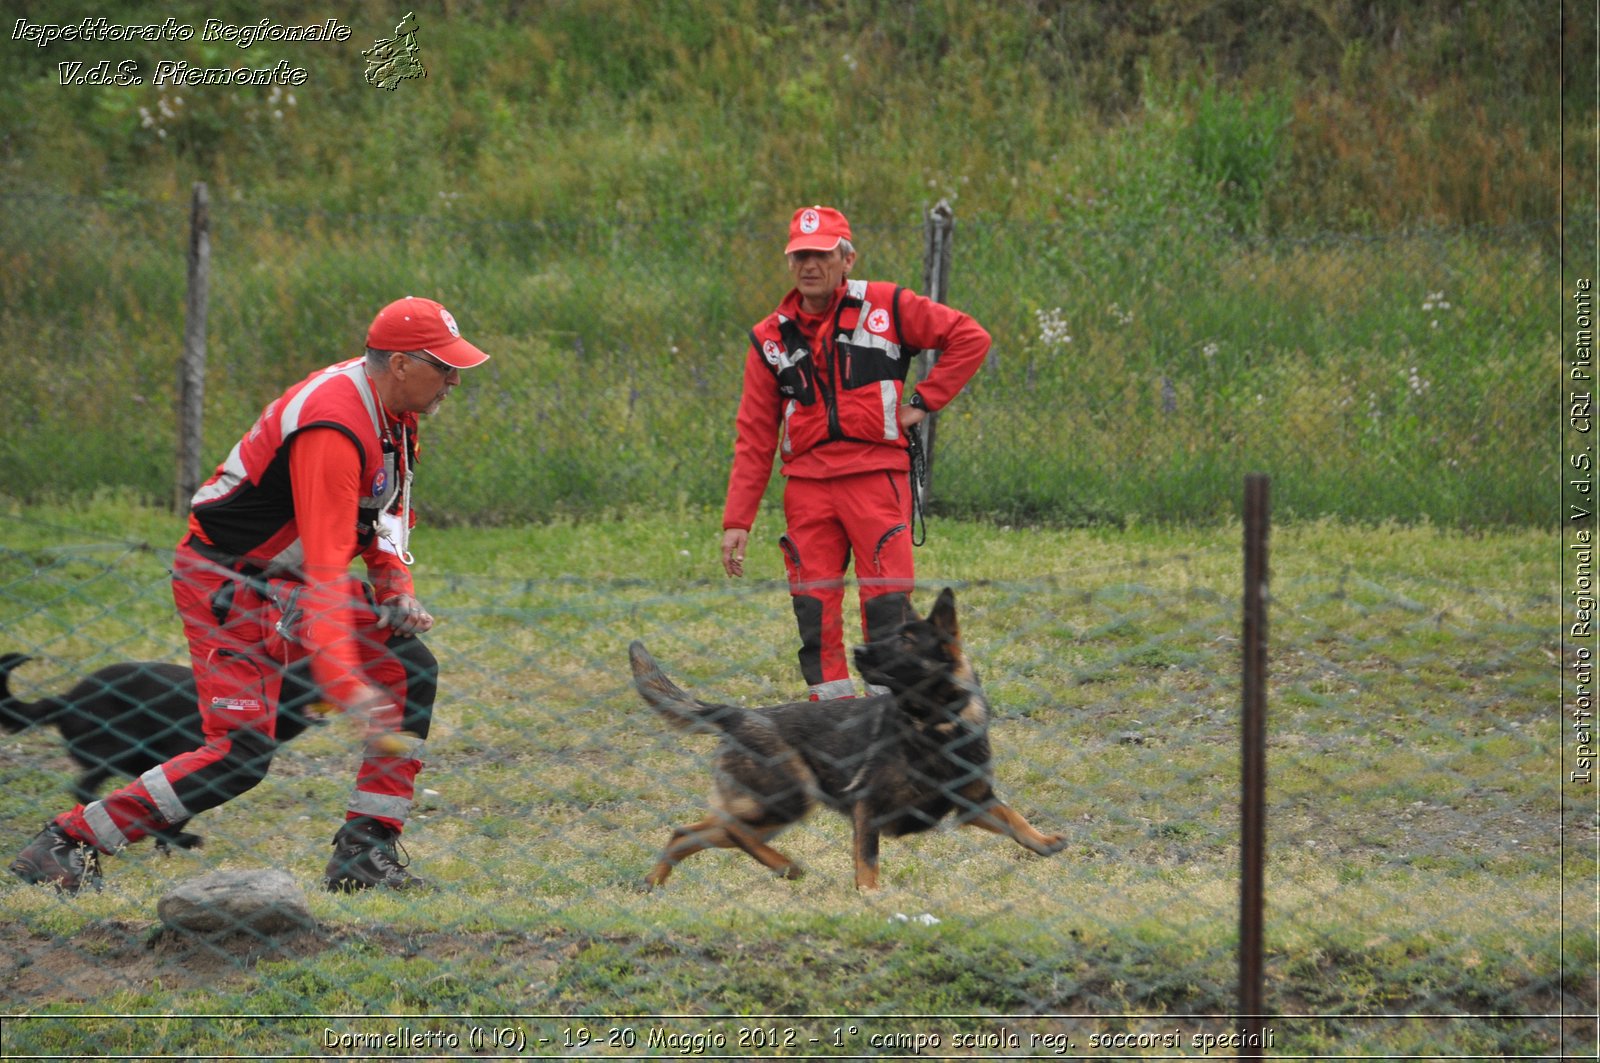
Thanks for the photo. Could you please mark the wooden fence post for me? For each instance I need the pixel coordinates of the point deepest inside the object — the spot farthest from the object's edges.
(938, 230)
(192, 366)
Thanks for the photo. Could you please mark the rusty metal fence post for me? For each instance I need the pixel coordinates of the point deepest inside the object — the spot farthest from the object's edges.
(1253, 745)
(938, 228)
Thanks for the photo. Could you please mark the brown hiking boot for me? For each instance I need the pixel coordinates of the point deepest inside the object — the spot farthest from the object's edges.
(366, 853)
(61, 861)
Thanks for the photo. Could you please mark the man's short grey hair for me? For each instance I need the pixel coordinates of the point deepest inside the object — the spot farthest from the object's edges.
(378, 361)
(844, 247)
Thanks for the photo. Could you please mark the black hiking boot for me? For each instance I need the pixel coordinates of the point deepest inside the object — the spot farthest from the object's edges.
(63, 862)
(367, 853)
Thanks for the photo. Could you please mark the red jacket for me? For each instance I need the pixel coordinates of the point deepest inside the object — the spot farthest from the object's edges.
(299, 497)
(828, 387)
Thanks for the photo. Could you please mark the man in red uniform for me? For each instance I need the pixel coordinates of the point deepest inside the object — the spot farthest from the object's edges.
(824, 380)
(263, 579)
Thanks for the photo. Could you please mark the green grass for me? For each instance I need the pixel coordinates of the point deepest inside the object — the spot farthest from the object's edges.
(1324, 248)
(1415, 865)
(1351, 119)
(1405, 377)
(1250, 234)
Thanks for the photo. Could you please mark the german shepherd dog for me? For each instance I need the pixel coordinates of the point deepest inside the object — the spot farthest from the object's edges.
(126, 718)
(895, 763)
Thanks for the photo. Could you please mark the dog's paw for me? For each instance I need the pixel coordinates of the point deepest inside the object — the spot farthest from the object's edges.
(1054, 843)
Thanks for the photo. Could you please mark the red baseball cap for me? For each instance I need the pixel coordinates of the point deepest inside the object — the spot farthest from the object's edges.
(413, 324)
(816, 229)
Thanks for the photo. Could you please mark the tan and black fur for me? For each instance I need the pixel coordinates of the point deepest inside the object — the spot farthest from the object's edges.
(894, 763)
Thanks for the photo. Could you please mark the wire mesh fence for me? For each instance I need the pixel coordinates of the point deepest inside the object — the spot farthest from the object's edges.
(1138, 371)
(1414, 875)
(1419, 839)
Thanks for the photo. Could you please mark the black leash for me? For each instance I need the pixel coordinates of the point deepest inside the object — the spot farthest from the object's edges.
(919, 473)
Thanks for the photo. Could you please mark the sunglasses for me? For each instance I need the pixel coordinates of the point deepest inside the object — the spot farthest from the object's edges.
(444, 370)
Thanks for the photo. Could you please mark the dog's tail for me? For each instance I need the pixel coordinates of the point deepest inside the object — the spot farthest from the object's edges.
(14, 714)
(663, 695)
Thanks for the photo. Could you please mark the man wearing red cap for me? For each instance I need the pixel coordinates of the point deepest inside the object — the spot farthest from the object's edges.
(824, 385)
(262, 579)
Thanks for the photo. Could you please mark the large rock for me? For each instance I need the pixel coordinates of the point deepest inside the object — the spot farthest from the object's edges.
(261, 902)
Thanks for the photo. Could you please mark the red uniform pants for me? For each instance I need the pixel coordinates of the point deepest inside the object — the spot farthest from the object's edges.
(239, 657)
(865, 514)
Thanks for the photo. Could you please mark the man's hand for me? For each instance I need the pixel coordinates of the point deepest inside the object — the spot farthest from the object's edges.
(405, 615)
(377, 719)
(911, 416)
(734, 542)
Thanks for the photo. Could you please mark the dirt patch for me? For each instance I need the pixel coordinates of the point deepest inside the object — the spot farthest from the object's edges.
(117, 956)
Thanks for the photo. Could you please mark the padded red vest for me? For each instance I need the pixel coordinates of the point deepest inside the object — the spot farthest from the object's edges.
(247, 507)
(847, 385)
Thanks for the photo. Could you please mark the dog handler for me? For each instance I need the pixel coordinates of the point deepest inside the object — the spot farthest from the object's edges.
(262, 579)
(824, 380)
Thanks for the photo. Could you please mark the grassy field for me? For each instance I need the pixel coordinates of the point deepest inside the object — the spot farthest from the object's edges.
(1416, 858)
(1138, 371)
(1325, 241)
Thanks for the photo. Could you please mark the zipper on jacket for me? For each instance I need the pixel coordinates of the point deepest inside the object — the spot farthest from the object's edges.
(835, 429)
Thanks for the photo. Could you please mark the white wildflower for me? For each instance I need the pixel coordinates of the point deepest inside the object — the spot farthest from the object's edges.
(1052, 328)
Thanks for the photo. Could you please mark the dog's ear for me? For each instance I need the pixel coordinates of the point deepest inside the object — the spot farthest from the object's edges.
(943, 615)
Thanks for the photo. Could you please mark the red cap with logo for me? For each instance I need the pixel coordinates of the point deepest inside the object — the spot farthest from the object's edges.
(414, 324)
(816, 229)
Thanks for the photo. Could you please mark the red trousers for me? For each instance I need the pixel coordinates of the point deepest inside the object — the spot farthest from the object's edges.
(867, 515)
(239, 657)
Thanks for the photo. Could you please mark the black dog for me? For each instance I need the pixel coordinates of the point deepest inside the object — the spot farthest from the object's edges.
(895, 763)
(126, 718)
